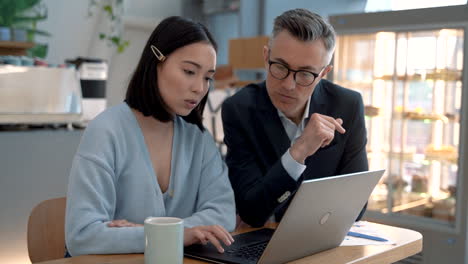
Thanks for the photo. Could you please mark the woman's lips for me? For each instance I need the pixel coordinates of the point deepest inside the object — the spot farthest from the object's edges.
(191, 103)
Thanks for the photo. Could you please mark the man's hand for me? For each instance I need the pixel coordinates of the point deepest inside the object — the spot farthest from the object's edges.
(205, 234)
(318, 133)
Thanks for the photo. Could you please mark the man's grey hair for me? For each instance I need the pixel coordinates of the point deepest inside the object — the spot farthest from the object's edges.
(305, 26)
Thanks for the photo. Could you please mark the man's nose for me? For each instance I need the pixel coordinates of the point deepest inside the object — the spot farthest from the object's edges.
(289, 83)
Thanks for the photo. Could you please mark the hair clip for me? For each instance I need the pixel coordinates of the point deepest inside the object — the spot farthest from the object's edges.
(158, 53)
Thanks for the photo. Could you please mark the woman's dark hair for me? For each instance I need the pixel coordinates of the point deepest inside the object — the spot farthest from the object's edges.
(143, 91)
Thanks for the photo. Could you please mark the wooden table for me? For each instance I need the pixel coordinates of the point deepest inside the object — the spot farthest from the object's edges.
(408, 243)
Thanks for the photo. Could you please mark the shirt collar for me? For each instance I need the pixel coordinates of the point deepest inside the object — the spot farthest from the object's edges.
(305, 115)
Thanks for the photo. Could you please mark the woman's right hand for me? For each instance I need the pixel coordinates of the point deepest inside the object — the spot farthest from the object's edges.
(205, 234)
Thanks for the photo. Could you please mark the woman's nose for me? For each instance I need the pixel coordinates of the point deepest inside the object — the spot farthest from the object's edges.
(199, 87)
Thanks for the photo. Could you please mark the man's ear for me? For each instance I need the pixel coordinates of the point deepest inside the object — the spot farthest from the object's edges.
(326, 71)
(266, 52)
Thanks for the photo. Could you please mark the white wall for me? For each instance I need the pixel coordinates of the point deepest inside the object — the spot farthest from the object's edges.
(123, 65)
(153, 8)
(71, 29)
(142, 17)
(75, 34)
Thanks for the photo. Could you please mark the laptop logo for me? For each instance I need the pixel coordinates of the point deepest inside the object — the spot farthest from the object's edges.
(324, 218)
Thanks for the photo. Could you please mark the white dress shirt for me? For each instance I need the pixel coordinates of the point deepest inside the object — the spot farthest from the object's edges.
(294, 168)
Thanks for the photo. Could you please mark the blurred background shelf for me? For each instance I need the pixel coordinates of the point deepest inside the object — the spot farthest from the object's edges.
(15, 48)
(413, 81)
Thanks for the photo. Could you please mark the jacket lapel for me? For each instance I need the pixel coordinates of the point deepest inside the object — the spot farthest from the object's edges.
(269, 121)
(318, 100)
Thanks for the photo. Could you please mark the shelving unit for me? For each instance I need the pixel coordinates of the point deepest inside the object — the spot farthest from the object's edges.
(409, 100)
(413, 79)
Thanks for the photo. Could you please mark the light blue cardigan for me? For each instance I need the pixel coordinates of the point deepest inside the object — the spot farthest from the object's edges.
(112, 178)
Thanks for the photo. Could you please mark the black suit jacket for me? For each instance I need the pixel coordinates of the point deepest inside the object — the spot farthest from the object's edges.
(256, 140)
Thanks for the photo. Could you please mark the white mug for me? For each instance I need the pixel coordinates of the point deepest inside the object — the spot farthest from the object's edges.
(164, 240)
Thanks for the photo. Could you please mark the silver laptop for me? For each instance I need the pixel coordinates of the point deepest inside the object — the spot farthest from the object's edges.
(318, 218)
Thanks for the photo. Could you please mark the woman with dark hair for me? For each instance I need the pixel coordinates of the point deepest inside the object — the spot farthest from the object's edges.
(150, 155)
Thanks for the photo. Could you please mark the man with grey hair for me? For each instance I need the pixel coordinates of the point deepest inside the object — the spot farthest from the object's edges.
(294, 126)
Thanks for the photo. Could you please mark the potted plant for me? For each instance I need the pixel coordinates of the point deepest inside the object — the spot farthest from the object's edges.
(20, 18)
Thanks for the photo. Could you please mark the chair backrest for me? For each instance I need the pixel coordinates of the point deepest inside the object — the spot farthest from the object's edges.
(46, 230)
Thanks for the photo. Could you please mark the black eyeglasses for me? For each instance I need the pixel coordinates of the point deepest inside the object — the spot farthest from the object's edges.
(281, 72)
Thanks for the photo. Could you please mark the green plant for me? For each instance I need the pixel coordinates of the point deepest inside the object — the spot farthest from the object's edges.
(113, 11)
(24, 14)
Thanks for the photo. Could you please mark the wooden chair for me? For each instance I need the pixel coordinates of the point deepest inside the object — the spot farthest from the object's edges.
(46, 230)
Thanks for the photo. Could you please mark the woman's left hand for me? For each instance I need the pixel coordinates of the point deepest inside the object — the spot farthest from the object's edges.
(122, 223)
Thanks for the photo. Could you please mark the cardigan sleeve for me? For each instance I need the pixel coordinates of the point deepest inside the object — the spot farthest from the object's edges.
(91, 199)
(215, 201)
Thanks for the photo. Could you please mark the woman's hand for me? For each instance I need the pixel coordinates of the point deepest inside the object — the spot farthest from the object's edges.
(197, 234)
(205, 234)
(122, 223)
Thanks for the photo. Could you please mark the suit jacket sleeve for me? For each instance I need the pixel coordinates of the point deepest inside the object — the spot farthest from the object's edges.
(354, 158)
(257, 190)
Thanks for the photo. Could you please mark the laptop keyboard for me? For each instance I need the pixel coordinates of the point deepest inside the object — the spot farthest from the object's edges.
(247, 248)
(250, 252)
